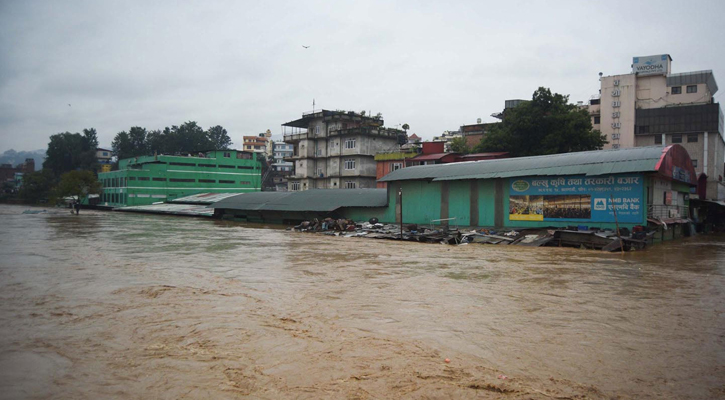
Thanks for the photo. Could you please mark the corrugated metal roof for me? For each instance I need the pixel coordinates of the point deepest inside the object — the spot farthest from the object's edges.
(317, 200)
(434, 156)
(202, 198)
(599, 162)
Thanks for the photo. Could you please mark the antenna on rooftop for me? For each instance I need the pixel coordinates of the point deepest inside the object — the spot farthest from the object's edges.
(313, 105)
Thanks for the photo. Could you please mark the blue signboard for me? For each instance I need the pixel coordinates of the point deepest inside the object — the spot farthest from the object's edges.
(577, 198)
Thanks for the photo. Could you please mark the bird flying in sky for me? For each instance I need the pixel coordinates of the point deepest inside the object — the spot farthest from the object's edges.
(307, 47)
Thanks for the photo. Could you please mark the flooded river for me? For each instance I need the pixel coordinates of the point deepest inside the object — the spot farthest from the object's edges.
(131, 306)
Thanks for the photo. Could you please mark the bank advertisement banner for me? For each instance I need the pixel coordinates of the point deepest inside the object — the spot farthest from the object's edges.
(577, 198)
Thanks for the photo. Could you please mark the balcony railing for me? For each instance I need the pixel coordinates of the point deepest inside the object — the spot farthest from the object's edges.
(663, 211)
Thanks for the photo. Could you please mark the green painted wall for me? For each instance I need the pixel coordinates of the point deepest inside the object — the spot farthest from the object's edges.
(421, 201)
(459, 202)
(486, 211)
(150, 179)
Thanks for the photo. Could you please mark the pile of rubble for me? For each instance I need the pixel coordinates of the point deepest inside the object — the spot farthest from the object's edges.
(594, 238)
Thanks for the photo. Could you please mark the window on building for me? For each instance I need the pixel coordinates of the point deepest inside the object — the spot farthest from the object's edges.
(207, 165)
(692, 137)
(615, 146)
(245, 183)
(207, 181)
(597, 120)
(181, 180)
(131, 178)
(350, 143)
(691, 88)
(226, 166)
(350, 163)
(317, 130)
(159, 179)
(677, 138)
(244, 167)
(294, 186)
(643, 129)
(395, 166)
(694, 163)
(594, 101)
(658, 139)
(676, 89)
(350, 185)
(227, 154)
(221, 181)
(143, 178)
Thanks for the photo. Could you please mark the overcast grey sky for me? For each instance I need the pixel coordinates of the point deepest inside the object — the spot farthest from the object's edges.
(434, 65)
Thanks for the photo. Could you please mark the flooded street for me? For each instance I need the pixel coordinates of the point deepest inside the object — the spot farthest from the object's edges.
(130, 306)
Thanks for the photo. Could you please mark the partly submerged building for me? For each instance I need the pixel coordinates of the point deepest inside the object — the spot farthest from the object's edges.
(336, 149)
(295, 206)
(646, 184)
(629, 187)
(150, 179)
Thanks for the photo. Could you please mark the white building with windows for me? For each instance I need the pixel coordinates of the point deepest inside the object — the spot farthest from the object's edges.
(335, 149)
(280, 152)
(653, 106)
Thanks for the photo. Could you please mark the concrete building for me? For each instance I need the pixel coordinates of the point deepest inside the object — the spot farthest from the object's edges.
(280, 152)
(336, 149)
(104, 157)
(392, 161)
(474, 133)
(653, 106)
(446, 137)
(8, 172)
(149, 179)
(255, 144)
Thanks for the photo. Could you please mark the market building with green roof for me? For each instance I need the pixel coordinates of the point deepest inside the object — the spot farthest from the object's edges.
(641, 185)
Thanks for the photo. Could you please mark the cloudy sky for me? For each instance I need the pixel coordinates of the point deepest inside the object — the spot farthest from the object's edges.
(69, 65)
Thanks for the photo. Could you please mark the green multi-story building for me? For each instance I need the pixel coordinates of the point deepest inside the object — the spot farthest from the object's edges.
(150, 179)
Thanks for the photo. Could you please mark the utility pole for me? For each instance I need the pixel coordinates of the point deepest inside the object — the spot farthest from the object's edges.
(400, 201)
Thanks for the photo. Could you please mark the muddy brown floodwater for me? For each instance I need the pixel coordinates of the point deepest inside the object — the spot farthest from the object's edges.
(127, 306)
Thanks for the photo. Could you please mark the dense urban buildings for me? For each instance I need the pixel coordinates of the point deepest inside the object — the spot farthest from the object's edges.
(336, 149)
(653, 106)
(149, 179)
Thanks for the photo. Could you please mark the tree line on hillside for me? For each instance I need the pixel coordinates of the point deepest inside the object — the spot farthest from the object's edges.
(547, 124)
(70, 166)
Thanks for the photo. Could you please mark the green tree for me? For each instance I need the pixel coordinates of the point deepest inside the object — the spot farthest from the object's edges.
(122, 146)
(405, 128)
(78, 184)
(460, 145)
(69, 151)
(219, 138)
(36, 187)
(547, 124)
(130, 144)
(155, 141)
(190, 137)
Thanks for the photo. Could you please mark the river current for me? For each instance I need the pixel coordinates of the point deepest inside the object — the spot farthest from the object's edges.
(132, 306)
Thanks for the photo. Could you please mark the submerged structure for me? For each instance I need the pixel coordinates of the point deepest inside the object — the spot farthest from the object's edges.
(629, 187)
(149, 179)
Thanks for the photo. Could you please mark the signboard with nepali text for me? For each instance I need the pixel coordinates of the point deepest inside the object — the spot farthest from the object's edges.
(577, 198)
